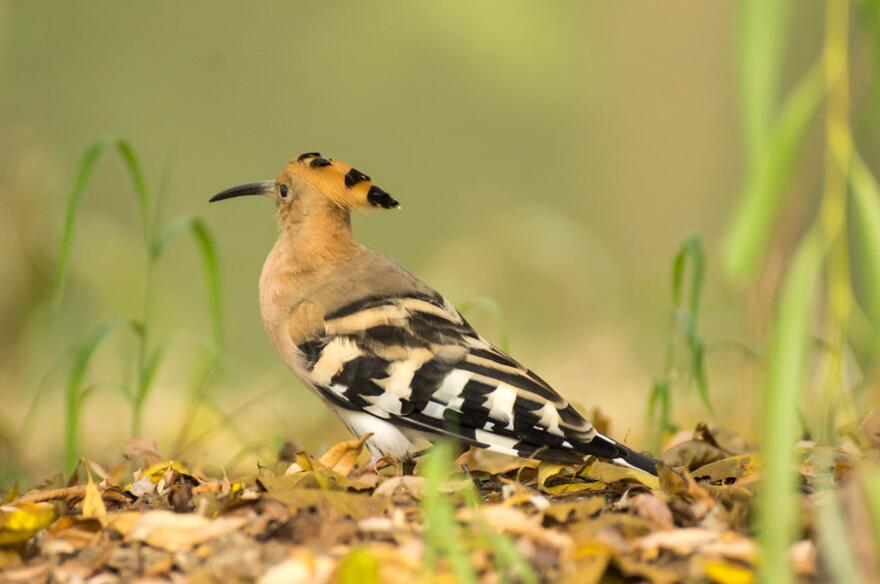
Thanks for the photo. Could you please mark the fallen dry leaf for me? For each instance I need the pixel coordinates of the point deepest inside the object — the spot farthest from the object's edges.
(651, 507)
(401, 486)
(608, 473)
(575, 510)
(723, 572)
(19, 522)
(591, 560)
(738, 469)
(93, 504)
(310, 473)
(509, 520)
(685, 496)
(304, 568)
(330, 521)
(342, 457)
(155, 472)
(690, 540)
(692, 454)
(176, 532)
(335, 504)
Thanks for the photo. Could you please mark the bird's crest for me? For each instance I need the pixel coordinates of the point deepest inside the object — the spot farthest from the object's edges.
(340, 182)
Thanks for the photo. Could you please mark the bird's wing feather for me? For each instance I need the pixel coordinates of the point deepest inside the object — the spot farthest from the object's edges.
(413, 360)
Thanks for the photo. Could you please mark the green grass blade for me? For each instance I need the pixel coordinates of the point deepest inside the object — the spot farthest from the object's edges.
(659, 408)
(44, 385)
(691, 253)
(784, 379)
(132, 164)
(211, 269)
(81, 180)
(144, 386)
(74, 388)
(442, 533)
(697, 352)
(866, 222)
(509, 561)
(151, 367)
(762, 30)
(750, 231)
(210, 264)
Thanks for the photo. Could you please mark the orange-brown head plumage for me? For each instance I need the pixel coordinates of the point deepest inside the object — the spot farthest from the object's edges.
(343, 184)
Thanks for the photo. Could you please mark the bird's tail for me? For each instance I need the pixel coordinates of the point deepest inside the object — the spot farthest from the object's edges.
(621, 454)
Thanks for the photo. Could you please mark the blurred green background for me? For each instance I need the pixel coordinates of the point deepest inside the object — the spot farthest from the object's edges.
(551, 157)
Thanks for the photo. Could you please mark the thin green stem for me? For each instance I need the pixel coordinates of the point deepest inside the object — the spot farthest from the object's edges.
(838, 153)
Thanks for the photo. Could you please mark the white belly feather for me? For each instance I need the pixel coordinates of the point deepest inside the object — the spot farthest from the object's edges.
(387, 438)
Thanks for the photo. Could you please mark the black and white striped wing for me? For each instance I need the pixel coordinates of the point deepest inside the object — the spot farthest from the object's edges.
(415, 362)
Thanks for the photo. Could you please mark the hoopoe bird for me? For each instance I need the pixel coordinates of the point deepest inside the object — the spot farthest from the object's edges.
(389, 355)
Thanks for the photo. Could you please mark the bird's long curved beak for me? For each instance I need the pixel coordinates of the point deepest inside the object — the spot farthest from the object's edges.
(263, 187)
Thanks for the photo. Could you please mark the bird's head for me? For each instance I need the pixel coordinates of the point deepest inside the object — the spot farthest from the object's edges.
(311, 181)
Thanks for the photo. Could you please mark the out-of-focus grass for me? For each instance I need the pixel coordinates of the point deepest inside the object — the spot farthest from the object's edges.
(76, 391)
(761, 51)
(444, 538)
(866, 222)
(833, 533)
(684, 320)
(785, 377)
(762, 195)
(157, 238)
(818, 291)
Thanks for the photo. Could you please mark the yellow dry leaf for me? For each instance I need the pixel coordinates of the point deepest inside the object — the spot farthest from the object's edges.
(308, 472)
(342, 457)
(723, 572)
(19, 522)
(360, 566)
(562, 480)
(564, 488)
(122, 522)
(332, 504)
(591, 560)
(575, 510)
(611, 473)
(9, 559)
(155, 472)
(739, 469)
(548, 470)
(93, 503)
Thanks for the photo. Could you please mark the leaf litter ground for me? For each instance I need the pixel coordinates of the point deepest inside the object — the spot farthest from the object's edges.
(481, 518)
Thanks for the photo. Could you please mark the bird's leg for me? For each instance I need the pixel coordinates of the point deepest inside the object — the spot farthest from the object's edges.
(408, 466)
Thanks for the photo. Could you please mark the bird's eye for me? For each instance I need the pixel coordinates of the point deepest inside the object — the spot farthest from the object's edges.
(283, 190)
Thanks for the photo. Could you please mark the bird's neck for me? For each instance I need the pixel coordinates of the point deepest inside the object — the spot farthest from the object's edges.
(310, 244)
(307, 249)
(317, 237)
